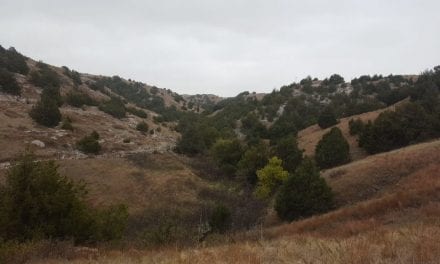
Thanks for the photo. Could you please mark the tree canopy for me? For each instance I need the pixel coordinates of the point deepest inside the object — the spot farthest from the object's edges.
(303, 194)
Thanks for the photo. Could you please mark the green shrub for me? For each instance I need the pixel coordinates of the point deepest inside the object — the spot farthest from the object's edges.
(89, 144)
(355, 126)
(67, 124)
(74, 75)
(137, 112)
(303, 194)
(45, 76)
(13, 61)
(220, 220)
(287, 150)
(254, 158)
(78, 99)
(227, 153)
(190, 143)
(332, 149)
(327, 118)
(46, 112)
(8, 84)
(410, 123)
(114, 107)
(142, 126)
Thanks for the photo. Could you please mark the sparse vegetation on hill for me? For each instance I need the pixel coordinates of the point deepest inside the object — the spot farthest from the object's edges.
(410, 123)
(78, 99)
(74, 75)
(13, 61)
(136, 112)
(44, 76)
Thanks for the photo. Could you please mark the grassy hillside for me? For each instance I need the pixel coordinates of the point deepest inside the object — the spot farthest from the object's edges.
(394, 221)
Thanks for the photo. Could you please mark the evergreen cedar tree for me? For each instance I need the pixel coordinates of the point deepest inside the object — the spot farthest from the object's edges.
(287, 150)
(46, 112)
(13, 61)
(303, 194)
(332, 150)
(8, 84)
(254, 158)
(327, 118)
(227, 153)
(39, 203)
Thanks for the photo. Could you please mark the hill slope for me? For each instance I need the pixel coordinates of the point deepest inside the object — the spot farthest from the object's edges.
(397, 222)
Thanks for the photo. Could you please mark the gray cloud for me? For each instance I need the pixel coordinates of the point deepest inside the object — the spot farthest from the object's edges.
(225, 47)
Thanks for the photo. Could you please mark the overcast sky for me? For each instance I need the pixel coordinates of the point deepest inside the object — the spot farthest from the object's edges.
(226, 47)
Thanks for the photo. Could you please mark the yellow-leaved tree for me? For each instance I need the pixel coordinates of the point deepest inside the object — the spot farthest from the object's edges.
(270, 178)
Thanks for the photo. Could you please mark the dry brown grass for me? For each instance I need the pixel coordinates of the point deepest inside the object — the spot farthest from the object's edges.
(415, 199)
(375, 175)
(413, 244)
(159, 179)
(398, 226)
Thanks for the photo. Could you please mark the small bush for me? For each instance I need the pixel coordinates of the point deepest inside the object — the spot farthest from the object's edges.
(45, 76)
(142, 126)
(67, 124)
(46, 112)
(220, 219)
(78, 99)
(114, 107)
(74, 75)
(137, 112)
(89, 144)
(356, 126)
